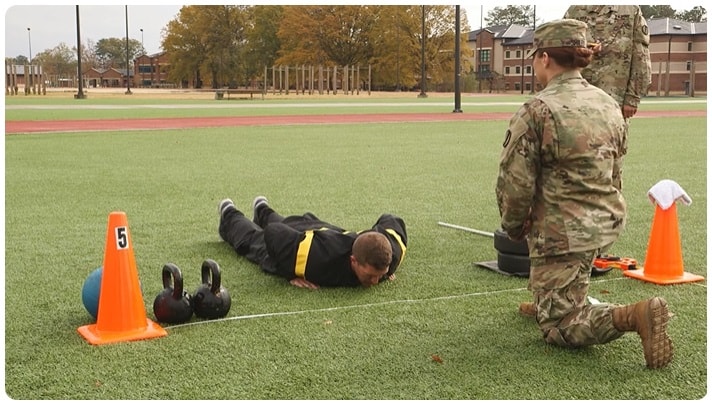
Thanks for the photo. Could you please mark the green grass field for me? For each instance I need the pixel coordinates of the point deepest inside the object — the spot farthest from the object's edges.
(281, 342)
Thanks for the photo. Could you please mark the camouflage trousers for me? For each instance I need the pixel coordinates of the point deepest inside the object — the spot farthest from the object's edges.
(560, 286)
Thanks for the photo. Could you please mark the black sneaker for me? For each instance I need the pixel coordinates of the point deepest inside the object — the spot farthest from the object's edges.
(223, 206)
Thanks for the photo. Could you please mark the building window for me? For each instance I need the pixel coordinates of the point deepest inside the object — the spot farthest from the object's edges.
(484, 55)
(484, 72)
(688, 66)
(529, 69)
(506, 70)
(689, 46)
(517, 70)
(519, 54)
(517, 86)
(507, 55)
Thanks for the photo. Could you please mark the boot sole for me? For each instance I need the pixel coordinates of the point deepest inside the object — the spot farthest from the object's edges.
(526, 312)
(658, 349)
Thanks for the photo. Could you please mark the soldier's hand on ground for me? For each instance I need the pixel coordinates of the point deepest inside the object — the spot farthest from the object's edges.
(302, 283)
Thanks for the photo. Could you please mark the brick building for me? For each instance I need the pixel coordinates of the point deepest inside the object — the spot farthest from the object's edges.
(679, 48)
(678, 53)
(105, 78)
(151, 71)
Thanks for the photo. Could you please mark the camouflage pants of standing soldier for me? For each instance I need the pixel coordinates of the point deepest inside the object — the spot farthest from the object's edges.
(560, 286)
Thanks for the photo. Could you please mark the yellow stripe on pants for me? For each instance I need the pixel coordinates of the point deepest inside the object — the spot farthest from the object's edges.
(303, 253)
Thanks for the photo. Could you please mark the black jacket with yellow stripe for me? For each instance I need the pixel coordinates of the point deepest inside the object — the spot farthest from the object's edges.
(304, 246)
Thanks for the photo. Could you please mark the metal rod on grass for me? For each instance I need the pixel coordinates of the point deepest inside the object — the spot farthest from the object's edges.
(472, 230)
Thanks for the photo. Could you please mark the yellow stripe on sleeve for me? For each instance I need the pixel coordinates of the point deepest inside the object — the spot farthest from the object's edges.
(300, 266)
(400, 242)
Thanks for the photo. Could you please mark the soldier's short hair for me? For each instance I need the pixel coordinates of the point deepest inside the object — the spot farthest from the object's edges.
(372, 248)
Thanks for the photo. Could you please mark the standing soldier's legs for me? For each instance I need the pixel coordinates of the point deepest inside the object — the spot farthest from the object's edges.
(560, 286)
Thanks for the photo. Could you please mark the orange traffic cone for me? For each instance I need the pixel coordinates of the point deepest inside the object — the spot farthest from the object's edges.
(663, 260)
(121, 315)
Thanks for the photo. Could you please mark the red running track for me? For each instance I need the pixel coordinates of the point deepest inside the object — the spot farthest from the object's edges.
(55, 126)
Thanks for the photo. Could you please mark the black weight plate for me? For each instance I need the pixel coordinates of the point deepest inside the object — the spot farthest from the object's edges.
(505, 245)
(515, 264)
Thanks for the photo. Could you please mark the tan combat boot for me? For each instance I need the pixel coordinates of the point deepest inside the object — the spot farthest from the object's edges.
(527, 309)
(649, 319)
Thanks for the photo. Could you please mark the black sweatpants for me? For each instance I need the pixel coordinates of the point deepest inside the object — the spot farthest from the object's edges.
(247, 237)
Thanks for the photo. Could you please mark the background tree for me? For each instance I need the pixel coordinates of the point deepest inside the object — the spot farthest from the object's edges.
(326, 35)
(61, 61)
(89, 56)
(262, 42)
(111, 52)
(224, 38)
(519, 15)
(207, 41)
(657, 11)
(19, 60)
(697, 14)
(396, 46)
(440, 44)
(184, 47)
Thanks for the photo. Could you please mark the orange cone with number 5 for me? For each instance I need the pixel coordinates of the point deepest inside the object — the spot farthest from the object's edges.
(121, 315)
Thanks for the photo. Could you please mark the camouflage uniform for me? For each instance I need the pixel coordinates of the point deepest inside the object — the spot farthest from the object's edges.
(622, 68)
(559, 185)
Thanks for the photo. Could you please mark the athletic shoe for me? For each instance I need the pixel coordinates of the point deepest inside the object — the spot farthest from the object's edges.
(257, 203)
(223, 206)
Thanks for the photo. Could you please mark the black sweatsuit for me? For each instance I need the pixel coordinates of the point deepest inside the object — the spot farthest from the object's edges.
(304, 246)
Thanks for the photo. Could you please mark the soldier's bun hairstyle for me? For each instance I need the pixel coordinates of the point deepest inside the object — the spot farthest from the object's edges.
(569, 57)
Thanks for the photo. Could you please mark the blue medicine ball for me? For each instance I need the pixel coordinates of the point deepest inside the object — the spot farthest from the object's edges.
(90, 292)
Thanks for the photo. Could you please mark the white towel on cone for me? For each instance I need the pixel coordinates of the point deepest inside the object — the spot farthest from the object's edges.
(666, 192)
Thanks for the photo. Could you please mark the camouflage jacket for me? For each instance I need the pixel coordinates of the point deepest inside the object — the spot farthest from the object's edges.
(622, 67)
(560, 169)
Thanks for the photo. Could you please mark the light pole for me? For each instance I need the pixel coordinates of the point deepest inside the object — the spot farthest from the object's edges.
(80, 93)
(128, 75)
(29, 40)
(522, 84)
(422, 56)
(533, 89)
(28, 74)
(144, 52)
(478, 52)
(398, 61)
(458, 102)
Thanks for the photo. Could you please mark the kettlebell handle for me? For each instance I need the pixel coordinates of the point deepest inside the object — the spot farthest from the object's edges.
(210, 269)
(171, 270)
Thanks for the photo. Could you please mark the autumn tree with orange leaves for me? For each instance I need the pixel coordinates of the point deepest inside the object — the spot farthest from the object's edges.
(223, 45)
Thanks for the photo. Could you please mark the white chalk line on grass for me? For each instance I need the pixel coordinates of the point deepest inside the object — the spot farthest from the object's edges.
(338, 308)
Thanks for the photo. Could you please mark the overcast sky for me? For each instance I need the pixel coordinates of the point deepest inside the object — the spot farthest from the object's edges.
(51, 25)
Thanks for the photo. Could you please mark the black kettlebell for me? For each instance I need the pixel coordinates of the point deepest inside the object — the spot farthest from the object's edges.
(172, 305)
(210, 300)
